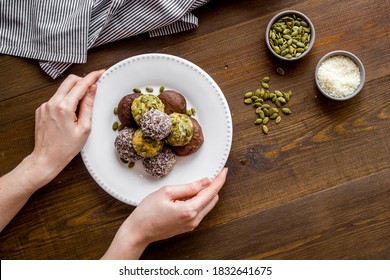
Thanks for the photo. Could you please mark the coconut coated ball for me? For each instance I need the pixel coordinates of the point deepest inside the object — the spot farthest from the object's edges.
(156, 124)
(160, 165)
(124, 145)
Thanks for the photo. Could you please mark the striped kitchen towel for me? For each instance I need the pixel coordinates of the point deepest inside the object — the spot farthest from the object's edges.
(60, 33)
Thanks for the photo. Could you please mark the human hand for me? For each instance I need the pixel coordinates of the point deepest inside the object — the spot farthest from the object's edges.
(61, 132)
(167, 212)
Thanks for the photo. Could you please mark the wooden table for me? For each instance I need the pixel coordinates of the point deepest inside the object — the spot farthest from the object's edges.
(316, 187)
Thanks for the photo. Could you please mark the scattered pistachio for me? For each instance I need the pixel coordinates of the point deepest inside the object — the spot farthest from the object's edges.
(248, 95)
(265, 111)
(162, 88)
(258, 121)
(137, 90)
(188, 112)
(131, 164)
(115, 126)
(278, 93)
(116, 111)
(149, 89)
(248, 101)
(280, 71)
(265, 129)
(265, 106)
(261, 114)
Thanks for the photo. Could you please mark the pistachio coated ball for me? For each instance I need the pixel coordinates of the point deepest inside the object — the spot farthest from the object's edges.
(143, 104)
(145, 146)
(182, 130)
(195, 143)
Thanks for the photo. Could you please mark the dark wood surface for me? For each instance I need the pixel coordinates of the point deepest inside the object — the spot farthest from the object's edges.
(316, 187)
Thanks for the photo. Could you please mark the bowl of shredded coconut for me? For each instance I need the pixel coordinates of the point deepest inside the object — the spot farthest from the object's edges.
(340, 75)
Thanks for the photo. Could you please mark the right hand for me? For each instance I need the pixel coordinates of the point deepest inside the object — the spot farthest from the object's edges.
(167, 212)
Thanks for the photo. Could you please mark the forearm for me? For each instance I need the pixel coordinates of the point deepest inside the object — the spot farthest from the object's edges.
(17, 186)
(126, 245)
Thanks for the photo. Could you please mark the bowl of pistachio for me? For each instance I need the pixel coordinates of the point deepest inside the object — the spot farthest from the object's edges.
(290, 35)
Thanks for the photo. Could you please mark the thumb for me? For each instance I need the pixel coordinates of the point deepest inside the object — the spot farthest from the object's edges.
(86, 106)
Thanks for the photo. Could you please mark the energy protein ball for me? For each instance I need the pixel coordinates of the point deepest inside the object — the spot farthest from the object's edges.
(124, 109)
(160, 165)
(145, 146)
(174, 102)
(156, 124)
(182, 129)
(143, 104)
(124, 145)
(195, 143)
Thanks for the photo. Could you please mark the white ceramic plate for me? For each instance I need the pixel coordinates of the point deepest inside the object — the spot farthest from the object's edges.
(132, 185)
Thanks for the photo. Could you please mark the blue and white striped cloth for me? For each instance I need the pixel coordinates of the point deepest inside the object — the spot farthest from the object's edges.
(59, 33)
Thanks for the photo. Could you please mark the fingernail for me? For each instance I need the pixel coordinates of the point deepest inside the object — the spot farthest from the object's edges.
(92, 89)
(205, 182)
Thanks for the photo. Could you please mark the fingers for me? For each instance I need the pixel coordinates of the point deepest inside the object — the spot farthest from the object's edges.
(205, 196)
(66, 86)
(186, 191)
(80, 89)
(202, 213)
(85, 111)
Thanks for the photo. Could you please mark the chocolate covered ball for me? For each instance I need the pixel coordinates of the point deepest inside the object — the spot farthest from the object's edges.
(156, 124)
(174, 102)
(195, 143)
(124, 145)
(181, 133)
(145, 146)
(160, 165)
(143, 104)
(124, 109)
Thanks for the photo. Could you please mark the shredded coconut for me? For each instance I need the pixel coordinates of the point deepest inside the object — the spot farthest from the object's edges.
(339, 76)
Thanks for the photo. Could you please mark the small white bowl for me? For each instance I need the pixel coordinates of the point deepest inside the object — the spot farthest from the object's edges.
(358, 63)
(285, 13)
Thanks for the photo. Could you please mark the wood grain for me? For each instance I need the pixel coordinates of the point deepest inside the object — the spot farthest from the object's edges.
(316, 187)
(322, 225)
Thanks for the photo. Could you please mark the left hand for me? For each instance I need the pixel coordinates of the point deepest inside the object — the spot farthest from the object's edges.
(60, 132)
